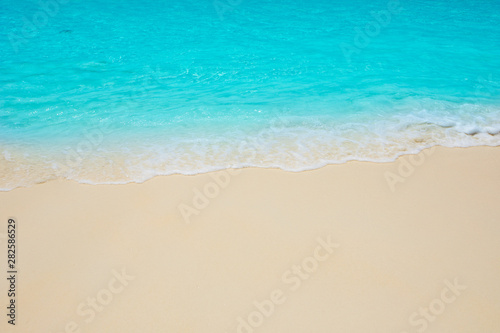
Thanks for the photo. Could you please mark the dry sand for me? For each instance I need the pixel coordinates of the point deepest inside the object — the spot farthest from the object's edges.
(422, 257)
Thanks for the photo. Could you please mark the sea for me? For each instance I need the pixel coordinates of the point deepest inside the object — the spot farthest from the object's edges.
(114, 92)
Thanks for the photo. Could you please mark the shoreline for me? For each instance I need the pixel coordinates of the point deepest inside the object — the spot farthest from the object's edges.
(402, 155)
(265, 250)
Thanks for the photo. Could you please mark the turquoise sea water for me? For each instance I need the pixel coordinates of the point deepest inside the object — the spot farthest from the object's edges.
(104, 91)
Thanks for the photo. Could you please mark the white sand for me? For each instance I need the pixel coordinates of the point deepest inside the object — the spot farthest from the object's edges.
(400, 252)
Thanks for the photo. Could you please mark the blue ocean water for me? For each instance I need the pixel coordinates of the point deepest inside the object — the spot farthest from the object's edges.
(104, 91)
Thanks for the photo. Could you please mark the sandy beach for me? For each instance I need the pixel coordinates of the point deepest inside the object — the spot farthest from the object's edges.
(408, 246)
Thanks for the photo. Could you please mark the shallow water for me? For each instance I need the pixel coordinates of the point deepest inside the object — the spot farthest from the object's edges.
(103, 92)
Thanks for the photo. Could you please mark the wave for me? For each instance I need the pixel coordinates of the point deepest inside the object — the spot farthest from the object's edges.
(291, 143)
